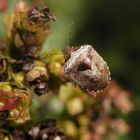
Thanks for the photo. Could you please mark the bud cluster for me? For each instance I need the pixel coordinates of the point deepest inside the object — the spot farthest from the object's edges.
(94, 119)
(22, 72)
(45, 130)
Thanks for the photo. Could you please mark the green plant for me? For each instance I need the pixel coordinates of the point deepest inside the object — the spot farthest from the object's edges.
(25, 72)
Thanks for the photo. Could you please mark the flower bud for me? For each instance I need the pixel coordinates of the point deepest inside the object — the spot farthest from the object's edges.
(14, 103)
(3, 68)
(37, 78)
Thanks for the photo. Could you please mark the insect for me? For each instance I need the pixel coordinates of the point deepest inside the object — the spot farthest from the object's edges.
(87, 69)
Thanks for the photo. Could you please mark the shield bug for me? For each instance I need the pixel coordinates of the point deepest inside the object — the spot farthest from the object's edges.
(87, 69)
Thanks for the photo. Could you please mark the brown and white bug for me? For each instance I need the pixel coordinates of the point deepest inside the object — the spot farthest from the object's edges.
(87, 69)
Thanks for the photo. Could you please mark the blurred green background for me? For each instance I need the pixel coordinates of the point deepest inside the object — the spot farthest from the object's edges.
(112, 27)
